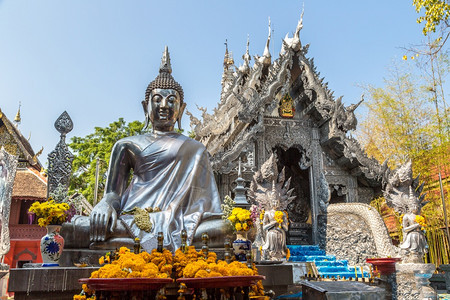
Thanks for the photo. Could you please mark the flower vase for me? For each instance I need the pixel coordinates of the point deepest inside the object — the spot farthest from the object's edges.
(52, 245)
(241, 245)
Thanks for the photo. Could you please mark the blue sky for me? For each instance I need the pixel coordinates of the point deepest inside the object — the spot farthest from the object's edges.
(95, 58)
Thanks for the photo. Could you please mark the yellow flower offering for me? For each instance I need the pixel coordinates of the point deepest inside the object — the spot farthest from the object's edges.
(202, 269)
(131, 265)
(279, 217)
(421, 221)
(189, 264)
(50, 212)
(241, 219)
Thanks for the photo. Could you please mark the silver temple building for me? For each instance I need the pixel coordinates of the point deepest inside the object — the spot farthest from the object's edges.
(282, 106)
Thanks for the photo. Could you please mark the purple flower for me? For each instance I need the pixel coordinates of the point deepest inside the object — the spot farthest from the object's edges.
(254, 212)
(70, 212)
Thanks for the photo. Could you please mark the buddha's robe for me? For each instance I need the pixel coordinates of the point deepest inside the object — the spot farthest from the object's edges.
(171, 172)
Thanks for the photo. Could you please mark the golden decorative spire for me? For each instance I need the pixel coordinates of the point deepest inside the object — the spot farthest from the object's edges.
(228, 58)
(228, 63)
(17, 119)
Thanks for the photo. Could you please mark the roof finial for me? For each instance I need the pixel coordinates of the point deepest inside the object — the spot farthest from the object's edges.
(246, 57)
(266, 57)
(165, 67)
(228, 58)
(266, 50)
(18, 119)
(228, 63)
(300, 24)
(294, 42)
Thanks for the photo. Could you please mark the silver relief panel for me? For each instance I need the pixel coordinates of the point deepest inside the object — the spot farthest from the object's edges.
(8, 165)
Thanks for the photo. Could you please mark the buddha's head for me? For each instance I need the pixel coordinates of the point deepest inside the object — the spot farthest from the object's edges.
(163, 104)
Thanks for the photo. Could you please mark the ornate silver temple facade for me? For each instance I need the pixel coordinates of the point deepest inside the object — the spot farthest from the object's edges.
(284, 107)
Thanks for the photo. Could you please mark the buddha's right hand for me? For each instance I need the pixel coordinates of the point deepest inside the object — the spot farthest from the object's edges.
(103, 217)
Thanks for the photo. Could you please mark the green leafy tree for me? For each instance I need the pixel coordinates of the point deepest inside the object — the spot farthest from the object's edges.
(98, 145)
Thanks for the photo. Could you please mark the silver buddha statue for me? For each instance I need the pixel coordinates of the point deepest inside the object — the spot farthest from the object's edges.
(172, 187)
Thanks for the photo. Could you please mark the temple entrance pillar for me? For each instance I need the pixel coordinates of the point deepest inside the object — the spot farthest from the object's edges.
(314, 173)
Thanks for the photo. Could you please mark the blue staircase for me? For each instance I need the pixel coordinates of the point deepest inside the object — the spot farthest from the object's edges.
(327, 265)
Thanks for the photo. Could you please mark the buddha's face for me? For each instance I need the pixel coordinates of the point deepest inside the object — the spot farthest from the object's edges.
(164, 107)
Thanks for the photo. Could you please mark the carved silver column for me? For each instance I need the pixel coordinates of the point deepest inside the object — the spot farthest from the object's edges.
(352, 189)
(314, 177)
(8, 165)
(60, 159)
(260, 151)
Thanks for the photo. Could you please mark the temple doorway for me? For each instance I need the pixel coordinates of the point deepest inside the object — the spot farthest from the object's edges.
(299, 209)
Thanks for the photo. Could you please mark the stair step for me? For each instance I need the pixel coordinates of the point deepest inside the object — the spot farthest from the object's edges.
(343, 263)
(314, 258)
(307, 253)
(346, 275)
(325, 270)
(304, 247)
(327, 265)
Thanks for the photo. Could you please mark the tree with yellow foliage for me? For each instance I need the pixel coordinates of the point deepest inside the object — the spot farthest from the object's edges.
(435, 16)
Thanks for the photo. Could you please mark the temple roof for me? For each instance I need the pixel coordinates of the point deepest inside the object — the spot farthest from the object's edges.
(18, 145)
(250, 102)
(29, 183)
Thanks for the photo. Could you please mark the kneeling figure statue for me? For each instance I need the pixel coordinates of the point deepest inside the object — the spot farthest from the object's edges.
(270, 192)
(404, 194)
(275, 226)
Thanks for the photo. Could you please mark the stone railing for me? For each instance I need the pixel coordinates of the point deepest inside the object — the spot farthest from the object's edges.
(375, 224)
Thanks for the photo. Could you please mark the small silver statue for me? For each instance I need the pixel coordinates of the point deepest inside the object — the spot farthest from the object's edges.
(275, 226)
(172, 187)
(269, 191)
(403, 193)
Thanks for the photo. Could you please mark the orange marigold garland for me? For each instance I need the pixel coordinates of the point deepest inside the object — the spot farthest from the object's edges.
(131, 265)
(191, 264)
